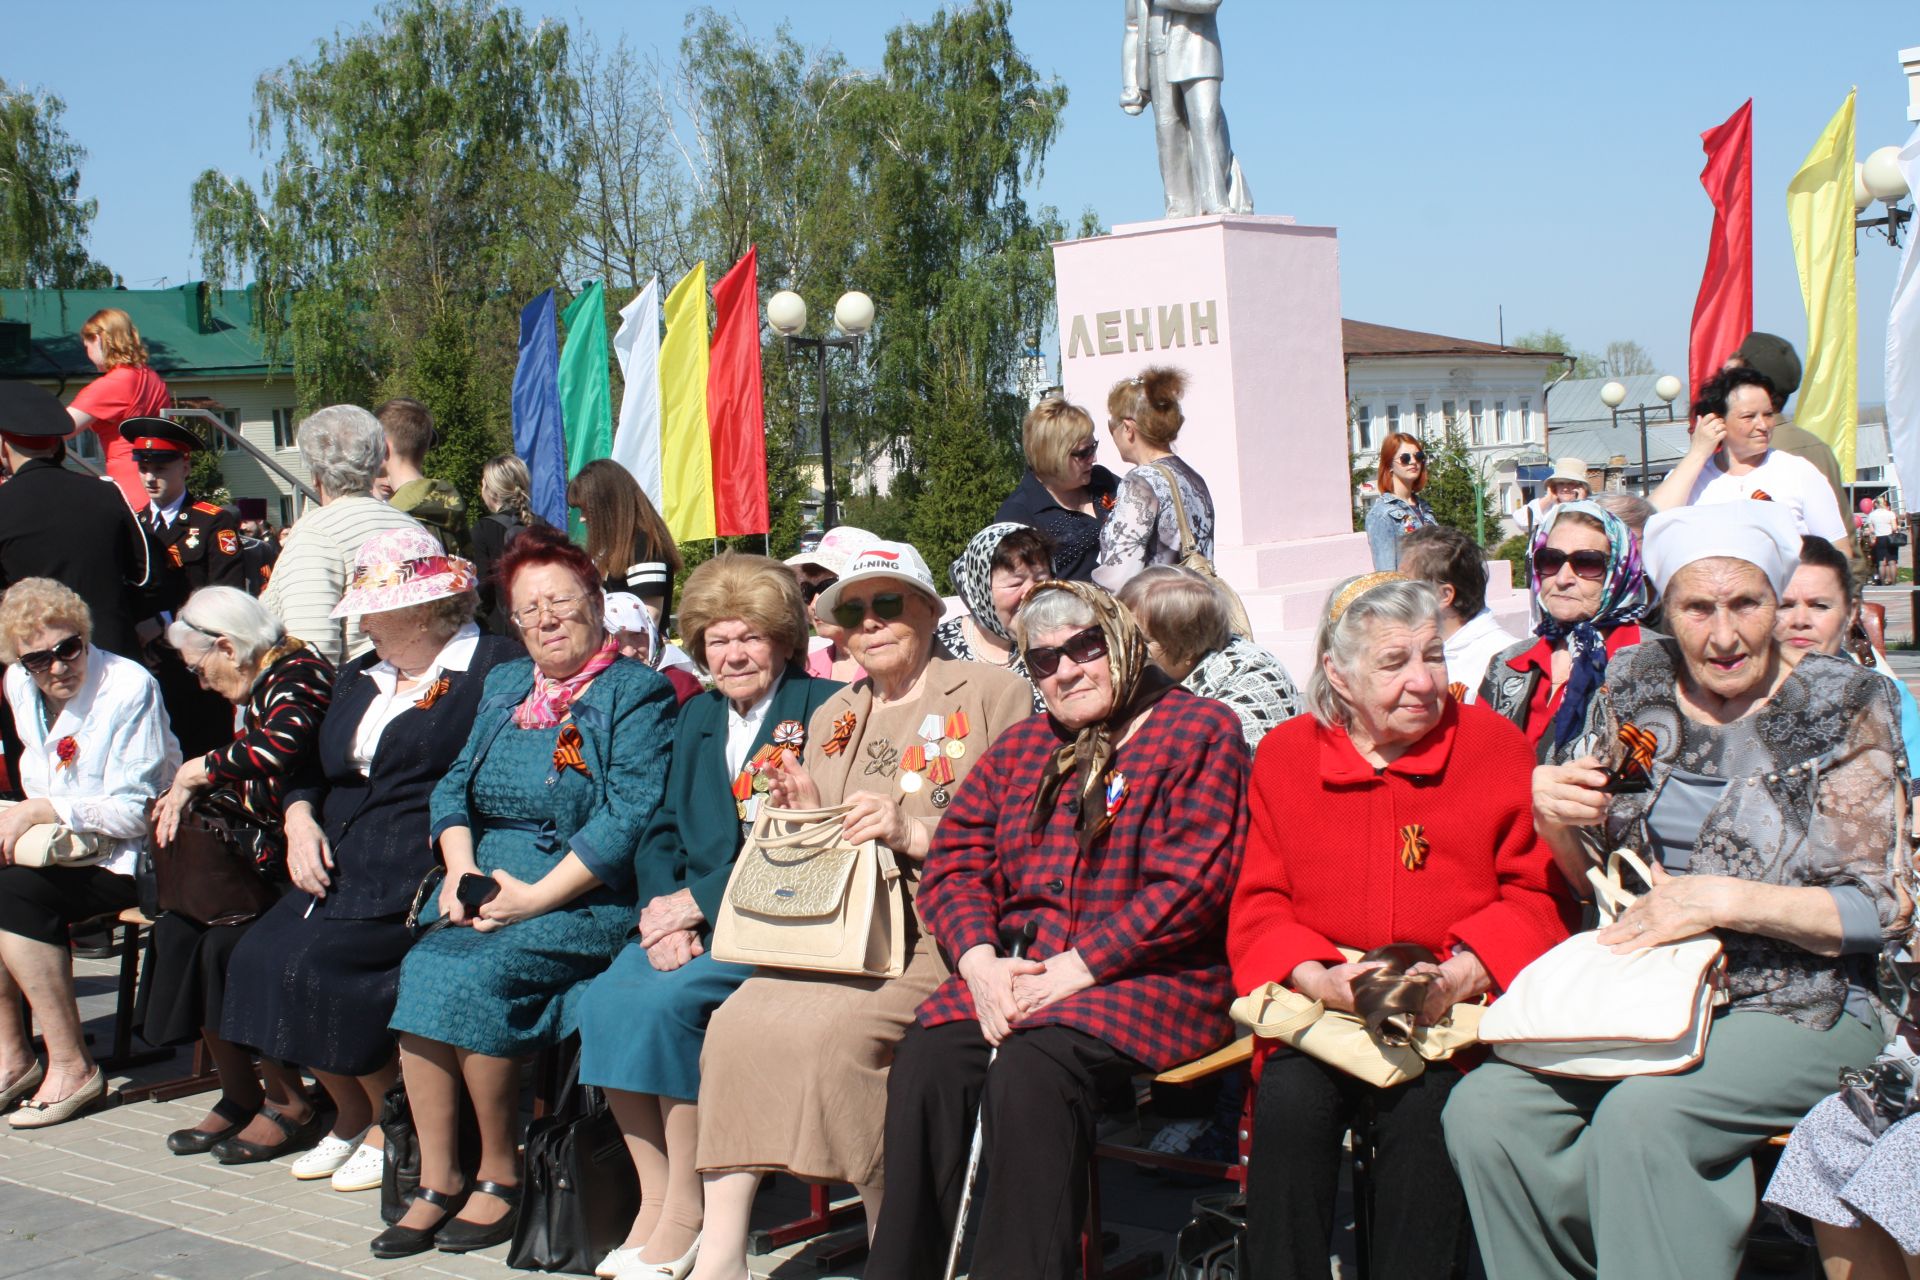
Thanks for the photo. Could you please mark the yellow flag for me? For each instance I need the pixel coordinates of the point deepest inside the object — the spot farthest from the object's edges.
(1820, 211)
(686, 458)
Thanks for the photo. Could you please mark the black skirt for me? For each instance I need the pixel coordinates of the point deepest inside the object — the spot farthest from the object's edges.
(39, 903)
(316, 991)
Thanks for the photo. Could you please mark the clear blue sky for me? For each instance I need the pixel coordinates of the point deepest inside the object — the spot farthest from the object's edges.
(1473, 155)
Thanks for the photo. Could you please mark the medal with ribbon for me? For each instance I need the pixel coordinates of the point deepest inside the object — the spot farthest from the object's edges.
(754, 777)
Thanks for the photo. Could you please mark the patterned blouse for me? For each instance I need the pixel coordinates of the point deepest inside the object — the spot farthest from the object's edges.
(1251, 682)
(278, 738)
(1812, 799)
(1144, 529)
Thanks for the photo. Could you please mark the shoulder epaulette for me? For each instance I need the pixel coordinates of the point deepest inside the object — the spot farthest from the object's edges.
(209, 508)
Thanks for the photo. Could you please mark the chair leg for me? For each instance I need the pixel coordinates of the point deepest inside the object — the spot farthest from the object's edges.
(821, 1217)
(121, 1056)
(1363, 1190)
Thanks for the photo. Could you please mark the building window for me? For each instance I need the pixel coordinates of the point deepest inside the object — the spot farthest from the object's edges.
(87, 445)
(1500, 420)
(1420, 417)
(1449, 416)
(1476, 421)
(222, 442)
(1526, 418)
(1363, 427)
(286, 511)
(283, 428)
(1393, 418)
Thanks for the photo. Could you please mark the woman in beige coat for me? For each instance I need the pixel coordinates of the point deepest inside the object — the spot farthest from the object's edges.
(794, 1070)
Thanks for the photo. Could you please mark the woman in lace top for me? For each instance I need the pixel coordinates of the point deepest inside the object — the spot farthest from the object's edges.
(1144, 415)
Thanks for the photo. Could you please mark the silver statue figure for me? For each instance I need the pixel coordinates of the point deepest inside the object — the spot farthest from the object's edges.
(1170, 57)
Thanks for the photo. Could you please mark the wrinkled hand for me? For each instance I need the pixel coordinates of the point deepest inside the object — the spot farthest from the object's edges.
(1460, 978)
(668, 914)
(1062, 976)
(516, 901)
(166, 814)
(877, 817)
(1708, 435)
(989, 978)
(1569, 795)
(1675, 907)
(674, 949)
(309, 857)
(1332, 985)
(790, 786)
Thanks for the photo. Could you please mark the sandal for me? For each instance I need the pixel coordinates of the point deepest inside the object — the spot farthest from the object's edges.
(461, 1236)
(405, 1242)
(298, 1137)
(197, 1142)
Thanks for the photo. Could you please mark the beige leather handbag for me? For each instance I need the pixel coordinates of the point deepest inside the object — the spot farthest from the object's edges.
(802, 897)
(48, 844)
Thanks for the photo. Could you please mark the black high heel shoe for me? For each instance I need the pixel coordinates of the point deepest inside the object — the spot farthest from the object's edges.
(405, 1242)
(461, 1236)
(197, 1142)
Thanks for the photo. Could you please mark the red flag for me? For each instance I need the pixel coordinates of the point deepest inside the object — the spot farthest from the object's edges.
(1723, 313)
(736, 421)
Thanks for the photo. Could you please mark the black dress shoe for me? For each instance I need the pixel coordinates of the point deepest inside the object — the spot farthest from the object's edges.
(461, 1236)
(197, 1142)
(404, 1242)
(298, 1137)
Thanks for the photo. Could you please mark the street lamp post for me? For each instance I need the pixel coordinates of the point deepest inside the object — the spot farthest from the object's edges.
(1614, 394)
(1878, 177)
(853, 316)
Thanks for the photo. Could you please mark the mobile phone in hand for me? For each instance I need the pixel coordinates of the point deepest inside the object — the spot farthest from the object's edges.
(476, 890)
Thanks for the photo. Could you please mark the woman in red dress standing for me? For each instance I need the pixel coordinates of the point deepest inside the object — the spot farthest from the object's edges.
(126, 388)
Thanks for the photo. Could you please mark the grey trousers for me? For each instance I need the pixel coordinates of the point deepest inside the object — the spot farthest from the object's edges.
(1643, 1178)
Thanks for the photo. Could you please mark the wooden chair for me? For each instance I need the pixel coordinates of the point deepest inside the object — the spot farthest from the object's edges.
(200, 1074)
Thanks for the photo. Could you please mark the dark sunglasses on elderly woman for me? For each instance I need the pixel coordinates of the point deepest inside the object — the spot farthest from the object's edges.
(41, 661)
(1082, 646)
(1591, 565)
(886, 605)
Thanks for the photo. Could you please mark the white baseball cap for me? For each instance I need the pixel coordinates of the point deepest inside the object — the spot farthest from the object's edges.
(837, 546)
(882, 559)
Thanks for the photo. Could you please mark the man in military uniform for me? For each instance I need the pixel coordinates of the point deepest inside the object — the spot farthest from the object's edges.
(259, 546)
(196, 544)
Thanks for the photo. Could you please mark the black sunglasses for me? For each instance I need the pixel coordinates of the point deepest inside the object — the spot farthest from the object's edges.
(887, 604)
(1586, 564)
(1086, 453)
(809, 591)
(41, 661)
(1415, 456)
(1082, 646)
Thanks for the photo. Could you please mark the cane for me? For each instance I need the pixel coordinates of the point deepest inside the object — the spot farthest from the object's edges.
(1017, 951)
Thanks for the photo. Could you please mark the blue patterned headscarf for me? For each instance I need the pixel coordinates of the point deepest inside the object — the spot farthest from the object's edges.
(1623, 599)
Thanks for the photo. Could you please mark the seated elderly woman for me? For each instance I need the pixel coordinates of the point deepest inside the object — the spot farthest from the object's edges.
(817, 570)
(1773, 819)
(793, 1075)
(94, 752)
(1190, 637)
(643, 1021)
(239, 650)
(990, 577)
(1392, 814)
(314, 982)
(537, 823)
(1586, 575)
(344, 449)
(1112, 827)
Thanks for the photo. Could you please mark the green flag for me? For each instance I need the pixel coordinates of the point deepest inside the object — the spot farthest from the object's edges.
(586, 390)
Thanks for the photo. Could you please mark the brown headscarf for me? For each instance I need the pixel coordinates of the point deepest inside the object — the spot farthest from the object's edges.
(1137, 685)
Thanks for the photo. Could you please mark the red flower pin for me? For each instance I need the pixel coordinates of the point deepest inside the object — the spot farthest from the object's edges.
(65, 750)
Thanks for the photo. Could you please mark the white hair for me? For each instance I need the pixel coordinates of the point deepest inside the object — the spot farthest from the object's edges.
(1407, 603)
(344, 448)
(1049, 611)
(215, 612)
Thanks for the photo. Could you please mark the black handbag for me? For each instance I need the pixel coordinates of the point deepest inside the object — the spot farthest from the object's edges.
(210, 873)
(400, 1177)
(579, 1192)
(1213, 1246)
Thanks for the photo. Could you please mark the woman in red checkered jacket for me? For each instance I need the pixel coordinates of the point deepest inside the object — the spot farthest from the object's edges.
(1112, 826)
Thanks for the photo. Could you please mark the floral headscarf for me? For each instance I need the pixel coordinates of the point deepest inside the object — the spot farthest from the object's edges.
(972, 577)
(1623, 599)
(1137, 685)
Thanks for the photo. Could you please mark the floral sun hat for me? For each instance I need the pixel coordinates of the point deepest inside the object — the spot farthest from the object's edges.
(399, 568)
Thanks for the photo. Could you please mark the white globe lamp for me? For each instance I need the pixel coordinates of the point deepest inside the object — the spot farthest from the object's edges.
(787, 313)
(1882, 175)
(1613, 395)
(853, 313)
(1668, 388)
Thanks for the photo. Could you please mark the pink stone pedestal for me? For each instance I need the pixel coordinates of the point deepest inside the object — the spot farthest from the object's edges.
(1249, 308)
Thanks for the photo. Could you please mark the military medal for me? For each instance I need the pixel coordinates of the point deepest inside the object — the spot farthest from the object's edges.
(911, 782)
(941, 797)
(789, 735)
(193, 539)
(841, 736)
(955, 749)
(173, 554)
(1116, 791)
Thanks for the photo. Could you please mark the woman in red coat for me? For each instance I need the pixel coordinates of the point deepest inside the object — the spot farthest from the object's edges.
(1392, 814)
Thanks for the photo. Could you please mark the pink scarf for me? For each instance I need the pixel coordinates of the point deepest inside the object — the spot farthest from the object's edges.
(547, 704)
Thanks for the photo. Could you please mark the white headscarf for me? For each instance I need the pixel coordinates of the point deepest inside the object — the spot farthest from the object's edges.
(1755, 530)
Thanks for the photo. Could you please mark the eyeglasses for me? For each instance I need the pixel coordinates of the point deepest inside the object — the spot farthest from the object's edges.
(1082, 646)
(886, 605)
(1591, 565)
(563, 609)
(1085, 454)
(810, 591)
(1407, 459)
(41, 661)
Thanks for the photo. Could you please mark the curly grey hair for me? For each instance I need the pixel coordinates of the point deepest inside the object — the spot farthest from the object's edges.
(344, 447)
(1346, 639)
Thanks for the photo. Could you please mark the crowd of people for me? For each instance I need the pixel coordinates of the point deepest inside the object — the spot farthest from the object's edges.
(493, 807)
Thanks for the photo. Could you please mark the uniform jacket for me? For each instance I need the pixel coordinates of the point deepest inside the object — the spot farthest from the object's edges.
(377, 825)
(201, 548)
(695, 834)
(625, 720)
(1146, 909)
(56, 523)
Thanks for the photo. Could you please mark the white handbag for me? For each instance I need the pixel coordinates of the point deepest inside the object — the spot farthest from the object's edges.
(802, 897)
(49, 844)
(1585, 1011)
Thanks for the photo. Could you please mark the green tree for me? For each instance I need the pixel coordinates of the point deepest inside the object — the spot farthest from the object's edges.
(1451, 480)
(1585, 365)
(43, 220)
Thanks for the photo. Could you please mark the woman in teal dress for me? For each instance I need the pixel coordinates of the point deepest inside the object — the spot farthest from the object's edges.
(566, 761)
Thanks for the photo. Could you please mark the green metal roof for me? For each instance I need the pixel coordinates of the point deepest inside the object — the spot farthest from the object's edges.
(191, 331)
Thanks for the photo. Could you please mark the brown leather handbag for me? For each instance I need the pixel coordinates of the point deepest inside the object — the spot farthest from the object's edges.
(208, 874)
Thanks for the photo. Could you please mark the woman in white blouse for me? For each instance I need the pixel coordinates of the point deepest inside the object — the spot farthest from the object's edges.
(96, 749)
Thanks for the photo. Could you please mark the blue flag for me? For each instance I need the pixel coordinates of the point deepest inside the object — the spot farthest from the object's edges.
(539, 436)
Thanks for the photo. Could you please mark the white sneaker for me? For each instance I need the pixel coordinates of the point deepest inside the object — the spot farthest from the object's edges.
(363, 1171)
(320, 1161)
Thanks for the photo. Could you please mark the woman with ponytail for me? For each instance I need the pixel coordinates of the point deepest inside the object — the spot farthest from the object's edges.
(1143, 413)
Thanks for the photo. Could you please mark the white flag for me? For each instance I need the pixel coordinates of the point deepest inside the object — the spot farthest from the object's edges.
(636, 440)
(1903, 349)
